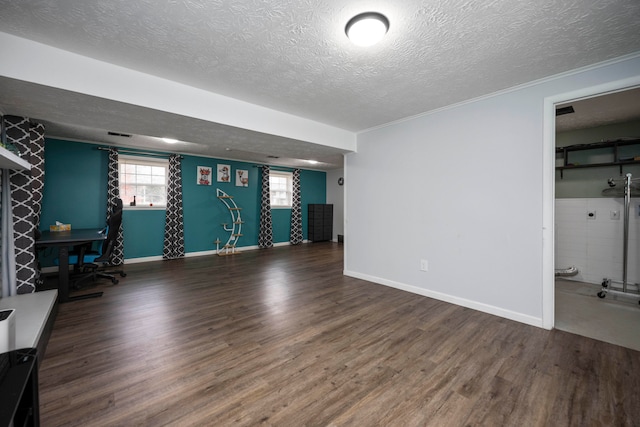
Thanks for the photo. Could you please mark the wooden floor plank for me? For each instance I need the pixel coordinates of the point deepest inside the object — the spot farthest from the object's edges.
(280, 337)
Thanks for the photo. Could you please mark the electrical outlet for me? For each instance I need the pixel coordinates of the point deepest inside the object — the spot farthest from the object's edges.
(424, 265)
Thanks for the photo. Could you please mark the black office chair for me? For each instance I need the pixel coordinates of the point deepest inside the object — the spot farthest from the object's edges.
(89, 264)
(113, 227)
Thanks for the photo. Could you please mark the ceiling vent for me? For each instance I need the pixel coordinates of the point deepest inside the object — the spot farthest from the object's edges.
(564, 110)
(123, 135)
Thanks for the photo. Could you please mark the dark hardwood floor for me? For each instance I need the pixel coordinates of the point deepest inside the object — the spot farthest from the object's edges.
(279, 337)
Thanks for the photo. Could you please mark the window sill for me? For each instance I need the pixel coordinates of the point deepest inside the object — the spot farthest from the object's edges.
(280, 207)
(144, 208)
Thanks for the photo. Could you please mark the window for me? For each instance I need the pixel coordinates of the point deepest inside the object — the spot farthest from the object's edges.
(145, 179)
(280, 185)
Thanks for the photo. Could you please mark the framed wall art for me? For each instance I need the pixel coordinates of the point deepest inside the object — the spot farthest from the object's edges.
(242, 178)
(203, 174)
(224, 173)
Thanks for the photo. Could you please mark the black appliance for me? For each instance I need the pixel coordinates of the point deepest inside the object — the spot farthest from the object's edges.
(19, 404)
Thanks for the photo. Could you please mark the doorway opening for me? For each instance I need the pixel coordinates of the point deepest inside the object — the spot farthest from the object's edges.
(584, 222)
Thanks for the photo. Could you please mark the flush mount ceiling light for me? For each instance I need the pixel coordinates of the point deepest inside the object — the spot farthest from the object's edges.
(367, 29)
(170, 140)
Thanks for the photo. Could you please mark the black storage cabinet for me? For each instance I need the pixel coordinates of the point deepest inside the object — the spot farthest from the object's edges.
(320, 227)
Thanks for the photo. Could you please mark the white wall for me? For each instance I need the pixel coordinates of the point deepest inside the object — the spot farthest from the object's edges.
(335, 196)
(595, 245)
(464, 189)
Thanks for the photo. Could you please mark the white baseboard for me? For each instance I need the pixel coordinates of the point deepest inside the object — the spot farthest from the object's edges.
(485, 308)
(54, 269)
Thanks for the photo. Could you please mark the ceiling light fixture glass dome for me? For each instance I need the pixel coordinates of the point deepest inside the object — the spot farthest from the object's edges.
(367, 29)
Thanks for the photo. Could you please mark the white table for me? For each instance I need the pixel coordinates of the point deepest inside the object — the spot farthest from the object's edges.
(35, 314)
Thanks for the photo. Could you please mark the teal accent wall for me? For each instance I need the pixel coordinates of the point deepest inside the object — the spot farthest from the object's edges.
(589, 182)
(75, 186)
(75, 192)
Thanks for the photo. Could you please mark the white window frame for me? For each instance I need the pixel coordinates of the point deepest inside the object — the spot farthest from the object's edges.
(142, 161)
(276, 191)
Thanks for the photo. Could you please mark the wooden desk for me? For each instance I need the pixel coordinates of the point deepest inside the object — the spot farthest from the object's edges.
(62, 240)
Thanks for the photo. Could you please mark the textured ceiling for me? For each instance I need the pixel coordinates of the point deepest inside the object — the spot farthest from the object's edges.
(293, 56)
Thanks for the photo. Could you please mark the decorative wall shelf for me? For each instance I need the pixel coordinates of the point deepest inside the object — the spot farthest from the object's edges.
(229, 248)
(614, 148)
(8, 160)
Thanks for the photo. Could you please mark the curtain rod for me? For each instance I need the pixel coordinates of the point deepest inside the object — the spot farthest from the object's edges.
(144, 153)
(286, 168)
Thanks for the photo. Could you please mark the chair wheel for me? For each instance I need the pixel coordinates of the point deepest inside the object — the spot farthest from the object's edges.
(602, 294)
(123, 274)
(115, 281)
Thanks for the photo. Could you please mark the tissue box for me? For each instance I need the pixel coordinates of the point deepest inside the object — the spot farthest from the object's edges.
(60, 227)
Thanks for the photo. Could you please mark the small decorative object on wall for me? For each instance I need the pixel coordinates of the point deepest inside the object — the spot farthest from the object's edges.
(224, 173)
(204, 175)
(242, 178)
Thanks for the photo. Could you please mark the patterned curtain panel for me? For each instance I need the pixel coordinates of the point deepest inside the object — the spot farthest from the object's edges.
(18, 133)
(296, 210)
(265, 235)
(37, 183)
(113, 193)
(37, 170)
(174, 221)
(8, 250)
